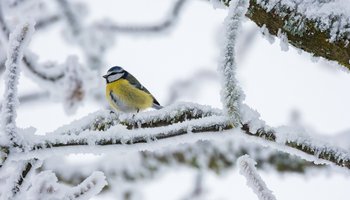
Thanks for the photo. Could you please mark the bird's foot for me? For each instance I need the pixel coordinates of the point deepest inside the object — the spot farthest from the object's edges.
(133, 115)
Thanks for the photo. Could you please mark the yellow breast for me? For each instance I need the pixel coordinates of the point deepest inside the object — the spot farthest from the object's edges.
(131, 98)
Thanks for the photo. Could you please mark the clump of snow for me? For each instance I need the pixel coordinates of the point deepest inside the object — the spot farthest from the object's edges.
(252, 118)
(171, 114)
(266, 34)
(254, 181)
(283, 40)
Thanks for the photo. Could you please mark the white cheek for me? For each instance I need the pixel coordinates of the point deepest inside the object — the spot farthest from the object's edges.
(114, 77)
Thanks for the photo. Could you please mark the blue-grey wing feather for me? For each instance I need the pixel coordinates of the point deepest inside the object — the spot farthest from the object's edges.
(133, 81)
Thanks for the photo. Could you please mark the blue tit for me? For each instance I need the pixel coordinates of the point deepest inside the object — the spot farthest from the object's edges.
(125, 93)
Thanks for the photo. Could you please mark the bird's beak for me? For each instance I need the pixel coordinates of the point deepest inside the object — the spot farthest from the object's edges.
(105, 76)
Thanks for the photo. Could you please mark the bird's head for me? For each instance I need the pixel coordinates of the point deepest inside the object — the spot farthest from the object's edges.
(114, 74)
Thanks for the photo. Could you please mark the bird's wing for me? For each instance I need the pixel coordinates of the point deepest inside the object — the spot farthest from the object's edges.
(133, 81)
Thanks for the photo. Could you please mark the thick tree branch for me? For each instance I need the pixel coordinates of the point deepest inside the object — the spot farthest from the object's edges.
(196, 129)
(302, 32)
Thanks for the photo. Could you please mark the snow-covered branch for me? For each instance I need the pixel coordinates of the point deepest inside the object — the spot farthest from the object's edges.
(325, 25)
(18, 41)
(247, 169)
(122, 130)
(231, 94)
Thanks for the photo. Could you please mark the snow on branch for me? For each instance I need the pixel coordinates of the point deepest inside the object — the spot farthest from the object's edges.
(248, 170)
(308, 25)
(231, 94)
(114, 133)
(103, 120)
(140, 29)
(19, 39)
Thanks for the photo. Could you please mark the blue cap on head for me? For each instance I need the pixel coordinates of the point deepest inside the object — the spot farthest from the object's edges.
(115, 69)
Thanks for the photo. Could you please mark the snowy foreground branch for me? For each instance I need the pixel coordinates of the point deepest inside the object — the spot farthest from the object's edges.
(317, 27)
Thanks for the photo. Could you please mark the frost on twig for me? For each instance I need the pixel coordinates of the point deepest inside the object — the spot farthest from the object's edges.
(141, 29)
(248, 170)
(18, 41)
(231, 94)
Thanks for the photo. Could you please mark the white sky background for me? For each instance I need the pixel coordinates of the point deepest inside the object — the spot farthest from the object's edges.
(275, 84)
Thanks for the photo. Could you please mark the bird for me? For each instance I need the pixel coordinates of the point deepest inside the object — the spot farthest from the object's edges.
(126, 94)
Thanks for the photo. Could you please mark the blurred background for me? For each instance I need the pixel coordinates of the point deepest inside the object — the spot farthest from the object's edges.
(173, 48)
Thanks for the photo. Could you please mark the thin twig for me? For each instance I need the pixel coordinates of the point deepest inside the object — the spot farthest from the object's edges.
(138, 29)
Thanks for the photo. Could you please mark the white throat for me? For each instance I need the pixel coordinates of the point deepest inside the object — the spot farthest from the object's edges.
(114, 77)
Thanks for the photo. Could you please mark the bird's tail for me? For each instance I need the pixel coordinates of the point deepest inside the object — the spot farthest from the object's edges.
(156, 106)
